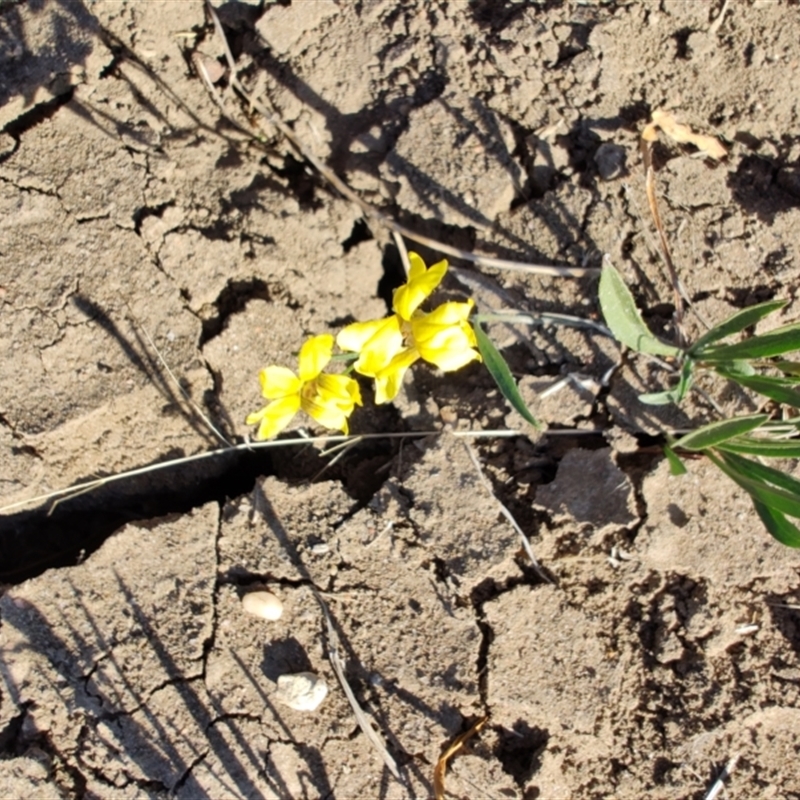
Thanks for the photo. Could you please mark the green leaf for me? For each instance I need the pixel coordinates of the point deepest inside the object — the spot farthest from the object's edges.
(741, 471)
(775, 343)
(738, 322)
(776, 523)
(658, 398)
(685, 381)
(676, 466)
(761, 472)
(715, 433)
(674, 395)
(499, 370)
(735, 367)
(622, 316)
(769, 448)
(778, 389)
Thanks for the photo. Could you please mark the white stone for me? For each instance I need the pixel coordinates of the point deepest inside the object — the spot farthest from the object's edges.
(263, 604)
(303, 691)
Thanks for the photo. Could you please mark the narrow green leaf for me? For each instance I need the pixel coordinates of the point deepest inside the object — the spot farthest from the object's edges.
(787, 381)
(715, 433)
(674, 395)
(499, 370)
(738, 322)
(658, 398)
(778, 389)
(769, 448)
(735, 367)
(761, 472)
(676, 466)
(776, 523)
(787, 502)
(685, 381)
(622, 316)
(775, 343)
(782, 426)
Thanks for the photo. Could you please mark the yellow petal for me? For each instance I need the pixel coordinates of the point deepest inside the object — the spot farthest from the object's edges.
(278, 382)
(447, 313)
(448, 347)
(377, 351)
(451, 359)
(449, 316)
(340, 389)
(274, 417)
(327, 414)
(389, 380)
(416, 266)
(421, 283)
(314, 356)
(355, 336)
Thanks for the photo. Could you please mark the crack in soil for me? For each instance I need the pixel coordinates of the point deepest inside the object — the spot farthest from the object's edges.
(33, 541)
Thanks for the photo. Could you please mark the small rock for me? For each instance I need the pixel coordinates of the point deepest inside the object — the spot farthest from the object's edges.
(610, 160)
(263, 604)
(303, 691)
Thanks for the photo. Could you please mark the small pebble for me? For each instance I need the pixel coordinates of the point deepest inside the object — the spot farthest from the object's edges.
(263, 604)
(610, 160)
(303, 691)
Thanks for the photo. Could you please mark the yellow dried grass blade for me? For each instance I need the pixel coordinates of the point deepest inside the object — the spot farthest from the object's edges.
(441, 764)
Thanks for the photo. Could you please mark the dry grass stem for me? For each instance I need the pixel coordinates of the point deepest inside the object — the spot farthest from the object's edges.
(506, 513)
(441, 764)
(82, 488)
(719, 783)
(713, 28)
(180, 388)
(401, 248)
(361, 716)
(370, 212)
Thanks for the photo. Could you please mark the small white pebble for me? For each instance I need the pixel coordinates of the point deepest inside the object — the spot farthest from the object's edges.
(263, 604)
(303, 691)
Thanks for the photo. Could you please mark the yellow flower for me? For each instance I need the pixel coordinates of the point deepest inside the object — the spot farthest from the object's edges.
(329, 399)
(388, 347)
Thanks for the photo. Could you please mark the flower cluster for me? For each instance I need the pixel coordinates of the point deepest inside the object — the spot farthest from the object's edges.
(383, 350)
(329, 399)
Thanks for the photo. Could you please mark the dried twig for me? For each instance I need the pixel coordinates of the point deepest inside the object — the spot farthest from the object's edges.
(719, 783)
(401, 247)
(369, 211)
(682, 134)
(177, 383)
(650, 188)
(713, 29)
(361, 716)
(506, 513)
(87, 486)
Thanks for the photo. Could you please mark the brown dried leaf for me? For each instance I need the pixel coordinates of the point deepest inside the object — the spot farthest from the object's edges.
(683, 134)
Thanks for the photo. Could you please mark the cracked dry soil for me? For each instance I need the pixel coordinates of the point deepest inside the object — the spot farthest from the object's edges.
(129, 208)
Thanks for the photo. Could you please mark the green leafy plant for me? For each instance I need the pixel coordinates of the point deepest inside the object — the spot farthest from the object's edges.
(733, 445)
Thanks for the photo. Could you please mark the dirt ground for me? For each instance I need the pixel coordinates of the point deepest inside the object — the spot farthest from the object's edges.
(136, 219)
